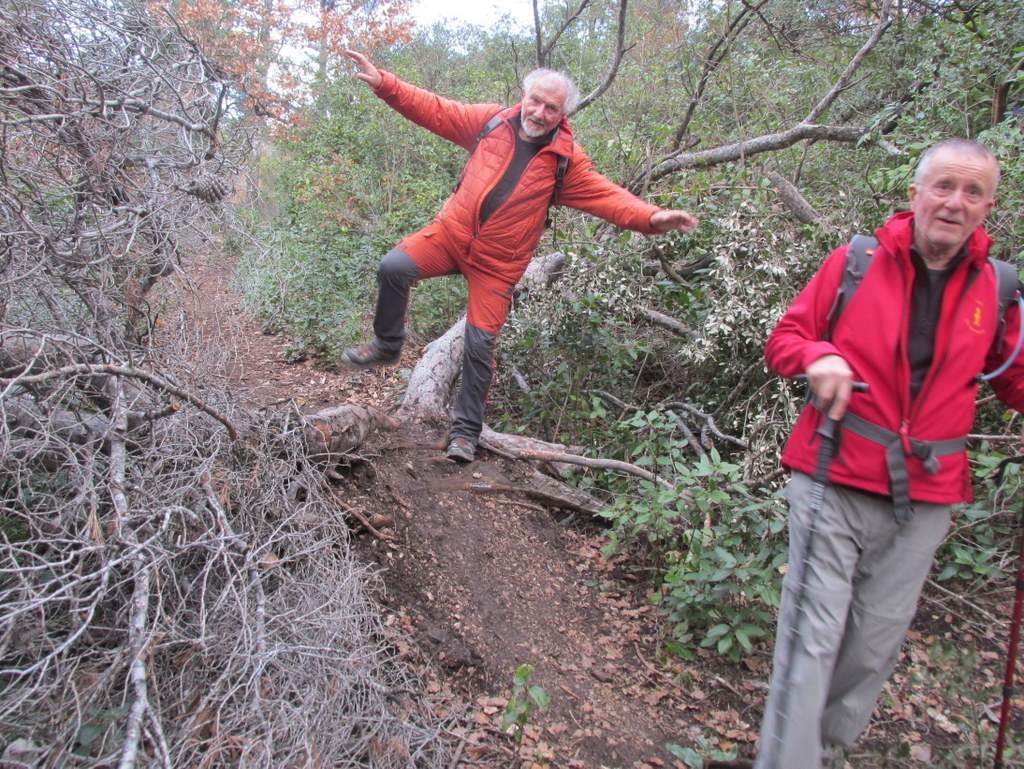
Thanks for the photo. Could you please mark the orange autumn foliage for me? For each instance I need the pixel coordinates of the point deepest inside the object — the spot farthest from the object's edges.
(273, 49)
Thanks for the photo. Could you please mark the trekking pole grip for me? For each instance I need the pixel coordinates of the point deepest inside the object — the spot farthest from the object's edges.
(858, 387)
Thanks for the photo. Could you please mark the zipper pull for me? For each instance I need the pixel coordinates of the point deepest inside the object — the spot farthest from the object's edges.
(905, 436)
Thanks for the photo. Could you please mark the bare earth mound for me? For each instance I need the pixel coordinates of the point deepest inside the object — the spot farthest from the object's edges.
(485, 579)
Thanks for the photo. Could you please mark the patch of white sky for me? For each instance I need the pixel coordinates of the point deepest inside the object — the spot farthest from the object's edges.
(481, 13)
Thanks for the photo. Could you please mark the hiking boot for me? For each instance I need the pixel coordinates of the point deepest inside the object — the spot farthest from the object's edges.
(461, 450)
(370, 355)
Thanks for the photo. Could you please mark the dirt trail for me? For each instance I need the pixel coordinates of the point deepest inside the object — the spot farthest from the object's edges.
(485, 582)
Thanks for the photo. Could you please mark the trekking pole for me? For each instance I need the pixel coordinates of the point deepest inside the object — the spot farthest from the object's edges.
(1018, 607)
(829, 434)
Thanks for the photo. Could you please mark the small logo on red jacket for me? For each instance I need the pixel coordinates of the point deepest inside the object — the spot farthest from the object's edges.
(975, 318)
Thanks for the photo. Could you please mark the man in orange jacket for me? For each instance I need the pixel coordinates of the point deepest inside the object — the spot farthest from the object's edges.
(489, 227)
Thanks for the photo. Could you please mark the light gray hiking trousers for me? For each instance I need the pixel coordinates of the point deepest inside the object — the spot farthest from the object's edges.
(839, 637)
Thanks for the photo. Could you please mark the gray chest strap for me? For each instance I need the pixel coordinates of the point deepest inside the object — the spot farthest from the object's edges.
(897, 449)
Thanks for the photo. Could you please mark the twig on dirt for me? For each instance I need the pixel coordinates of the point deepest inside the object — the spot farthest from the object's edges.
(593, 464)
(954, 596)
(527, 505)
(361, 518)
(725, 684)
(458, 752)
(569, 691)
(647, 664)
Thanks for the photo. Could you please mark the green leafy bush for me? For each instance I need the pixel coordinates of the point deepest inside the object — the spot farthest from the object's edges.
(982, 538)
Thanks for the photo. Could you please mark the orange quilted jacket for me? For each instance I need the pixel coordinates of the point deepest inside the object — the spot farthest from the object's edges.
(504, 245)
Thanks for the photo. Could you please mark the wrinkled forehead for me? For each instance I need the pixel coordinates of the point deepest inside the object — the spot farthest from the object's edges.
(948, 162)
(550, 89)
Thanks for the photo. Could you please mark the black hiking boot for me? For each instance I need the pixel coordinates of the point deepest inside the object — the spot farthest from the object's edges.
(461, 450)
(368, 356)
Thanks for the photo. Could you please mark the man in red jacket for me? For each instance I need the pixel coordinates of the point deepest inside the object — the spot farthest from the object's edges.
(489, 227)
(920, 328)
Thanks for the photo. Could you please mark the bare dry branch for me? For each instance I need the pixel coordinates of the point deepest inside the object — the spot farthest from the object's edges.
(88, 369)
(807, 129)
(716, 53)
(666, 322)
(828, 99)
(613, 66)
(544, 50)
(595, 464)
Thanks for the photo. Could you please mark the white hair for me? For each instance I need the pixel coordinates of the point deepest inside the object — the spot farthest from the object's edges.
(961, 146)
(572, 93)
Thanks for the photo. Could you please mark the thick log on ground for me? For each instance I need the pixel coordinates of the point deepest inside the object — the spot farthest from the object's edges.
(433, 379)
(335, 433)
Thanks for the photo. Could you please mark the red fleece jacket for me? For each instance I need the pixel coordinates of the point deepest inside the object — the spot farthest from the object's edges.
(871, 336)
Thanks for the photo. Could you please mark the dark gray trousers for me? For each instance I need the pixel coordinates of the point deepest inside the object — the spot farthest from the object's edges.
(396, 275)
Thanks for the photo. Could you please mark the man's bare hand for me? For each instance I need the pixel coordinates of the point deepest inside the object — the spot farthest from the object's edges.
(831, 381)
(368, 73)
(664, 221)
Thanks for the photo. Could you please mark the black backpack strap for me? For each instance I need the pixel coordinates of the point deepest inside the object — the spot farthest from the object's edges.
(1007, 288)
(489, 126)
(563, 166)
(858, 257)
(1007, 283)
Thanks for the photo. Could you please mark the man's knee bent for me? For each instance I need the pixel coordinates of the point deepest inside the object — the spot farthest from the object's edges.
(397, 269)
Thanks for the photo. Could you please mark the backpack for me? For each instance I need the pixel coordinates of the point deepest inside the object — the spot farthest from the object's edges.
(859, 254)
(560, 169)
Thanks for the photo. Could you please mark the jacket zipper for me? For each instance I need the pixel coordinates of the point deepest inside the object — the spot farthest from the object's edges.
(481, 198)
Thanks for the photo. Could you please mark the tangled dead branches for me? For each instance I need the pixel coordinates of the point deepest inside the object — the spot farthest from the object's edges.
(175, 583)
(190, 600)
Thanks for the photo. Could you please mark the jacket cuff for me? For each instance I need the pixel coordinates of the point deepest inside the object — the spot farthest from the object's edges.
(388, 86)
(817, 350)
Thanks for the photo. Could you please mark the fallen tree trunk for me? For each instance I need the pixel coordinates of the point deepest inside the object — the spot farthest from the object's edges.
(335, 433)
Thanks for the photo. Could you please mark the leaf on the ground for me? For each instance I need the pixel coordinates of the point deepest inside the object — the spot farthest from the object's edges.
(921, 753)
(653, 697)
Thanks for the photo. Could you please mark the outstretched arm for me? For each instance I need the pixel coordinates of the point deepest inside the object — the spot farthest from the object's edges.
(588, 190)
(457, 122)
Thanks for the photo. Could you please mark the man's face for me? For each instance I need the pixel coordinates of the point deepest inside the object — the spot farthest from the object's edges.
(952, 199)
(543, 108)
